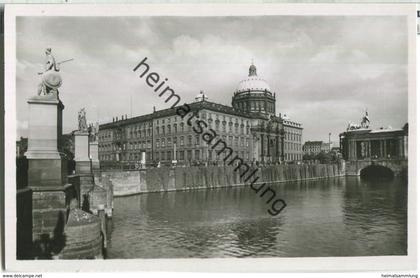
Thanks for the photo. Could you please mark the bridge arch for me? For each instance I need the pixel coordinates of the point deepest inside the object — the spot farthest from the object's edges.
(376, 171)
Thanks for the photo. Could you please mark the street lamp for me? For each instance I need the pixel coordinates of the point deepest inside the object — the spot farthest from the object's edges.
(329, 141)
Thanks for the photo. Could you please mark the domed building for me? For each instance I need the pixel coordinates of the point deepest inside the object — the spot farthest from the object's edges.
(253, 94)
(250, 129)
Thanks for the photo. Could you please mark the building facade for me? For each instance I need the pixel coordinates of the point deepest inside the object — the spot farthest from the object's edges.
(250, 127)
(315, 147)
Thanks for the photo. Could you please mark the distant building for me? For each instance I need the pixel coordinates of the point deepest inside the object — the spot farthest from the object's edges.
(315, 147)
(250, 127)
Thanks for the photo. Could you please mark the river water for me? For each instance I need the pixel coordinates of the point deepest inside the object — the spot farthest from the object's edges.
(329, 217)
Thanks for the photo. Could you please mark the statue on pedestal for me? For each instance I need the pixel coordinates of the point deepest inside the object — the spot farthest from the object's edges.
(82, 120)
(365, 120)
(364, 123)
(93, 132)
(50, 77)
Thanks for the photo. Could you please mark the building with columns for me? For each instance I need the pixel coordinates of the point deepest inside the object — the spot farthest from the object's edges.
(364, 143)
(250, 127)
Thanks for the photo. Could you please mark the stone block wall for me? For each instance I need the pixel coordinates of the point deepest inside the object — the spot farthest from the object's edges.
(200, 177)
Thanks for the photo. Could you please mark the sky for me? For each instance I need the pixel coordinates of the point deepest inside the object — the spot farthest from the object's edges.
(325, 70)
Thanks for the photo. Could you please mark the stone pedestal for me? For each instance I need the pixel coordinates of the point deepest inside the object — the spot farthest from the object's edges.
(47, 173)
(94, 155)
(46, 167)
(81, 152)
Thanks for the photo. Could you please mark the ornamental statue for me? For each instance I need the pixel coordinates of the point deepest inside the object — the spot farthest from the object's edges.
(365, 120)
(364, 123)
(82, 120)
(50, 77)
(93, 131)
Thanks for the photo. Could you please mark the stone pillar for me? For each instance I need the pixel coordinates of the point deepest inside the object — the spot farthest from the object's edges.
(47, 171)
(81, 152)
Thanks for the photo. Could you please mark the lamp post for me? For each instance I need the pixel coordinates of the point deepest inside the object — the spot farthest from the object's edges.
(329, 141)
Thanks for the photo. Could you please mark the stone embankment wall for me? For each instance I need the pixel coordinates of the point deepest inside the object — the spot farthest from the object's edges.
(186, 178)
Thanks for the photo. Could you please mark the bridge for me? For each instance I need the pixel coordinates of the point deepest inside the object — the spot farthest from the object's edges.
(398, 167)
(379, 151)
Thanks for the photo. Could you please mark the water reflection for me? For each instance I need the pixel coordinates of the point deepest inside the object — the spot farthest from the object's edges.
(335, 217)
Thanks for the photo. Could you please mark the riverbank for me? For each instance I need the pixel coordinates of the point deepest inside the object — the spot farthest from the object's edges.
(199, 177)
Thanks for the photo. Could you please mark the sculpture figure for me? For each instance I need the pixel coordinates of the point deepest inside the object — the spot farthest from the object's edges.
(82, 120)
(50, 77)
(352, 126)
(93, 131)
(364, 123)
(365, 120)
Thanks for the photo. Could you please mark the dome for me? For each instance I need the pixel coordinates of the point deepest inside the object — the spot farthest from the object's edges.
(253, 82)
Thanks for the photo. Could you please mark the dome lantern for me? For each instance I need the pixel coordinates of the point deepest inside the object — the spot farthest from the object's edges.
(252, 70)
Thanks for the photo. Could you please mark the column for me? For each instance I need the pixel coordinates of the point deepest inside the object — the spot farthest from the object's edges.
(262, 147)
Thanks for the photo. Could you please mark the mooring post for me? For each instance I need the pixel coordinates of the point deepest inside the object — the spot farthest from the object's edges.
(102, 218)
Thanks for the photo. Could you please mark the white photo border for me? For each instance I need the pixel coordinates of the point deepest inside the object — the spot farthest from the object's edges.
(306, 264)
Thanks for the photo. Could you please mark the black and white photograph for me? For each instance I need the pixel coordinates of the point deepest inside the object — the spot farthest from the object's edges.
(227, 133)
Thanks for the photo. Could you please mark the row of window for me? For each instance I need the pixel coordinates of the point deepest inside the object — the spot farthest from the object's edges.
(168, 142)
(181, 155)
(292, 156)
(292, 146)
(292, 136)
(256, 106)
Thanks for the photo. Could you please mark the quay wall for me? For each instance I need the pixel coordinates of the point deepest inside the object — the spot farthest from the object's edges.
(200, 177)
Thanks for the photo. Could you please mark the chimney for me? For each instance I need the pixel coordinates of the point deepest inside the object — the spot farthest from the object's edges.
(154, 109)
(116, 119)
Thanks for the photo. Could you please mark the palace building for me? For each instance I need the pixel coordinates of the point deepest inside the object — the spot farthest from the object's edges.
(250, 127)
